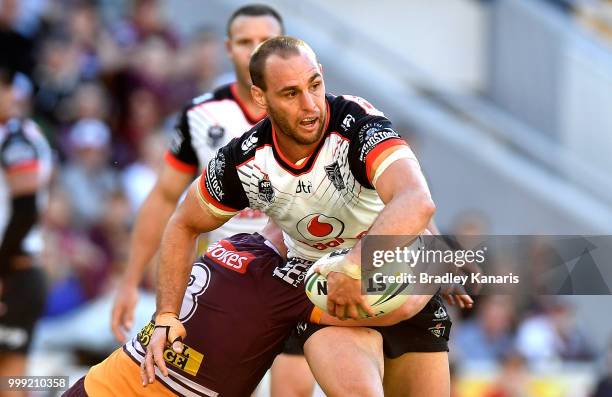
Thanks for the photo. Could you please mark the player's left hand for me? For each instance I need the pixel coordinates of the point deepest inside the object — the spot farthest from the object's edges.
(168, 331)
(344, 299)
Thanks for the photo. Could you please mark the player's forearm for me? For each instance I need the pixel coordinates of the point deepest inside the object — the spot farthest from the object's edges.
(407, 214)
(174, 265)
(147, 234)
(190, 219)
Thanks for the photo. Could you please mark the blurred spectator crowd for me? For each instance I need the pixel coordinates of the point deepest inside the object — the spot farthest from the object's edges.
(104, 82)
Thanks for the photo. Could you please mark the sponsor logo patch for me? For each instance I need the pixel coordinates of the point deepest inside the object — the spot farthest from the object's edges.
(293, 272)
(189, 360)
(213, 184)
(249, 143)
(319, 227)
(304, 187)
(371, 135)
(225, 254)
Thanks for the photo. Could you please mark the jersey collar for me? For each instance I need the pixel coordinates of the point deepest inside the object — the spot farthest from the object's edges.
(248, 115)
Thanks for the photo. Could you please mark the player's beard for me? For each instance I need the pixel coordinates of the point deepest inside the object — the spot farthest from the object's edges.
(287, 130)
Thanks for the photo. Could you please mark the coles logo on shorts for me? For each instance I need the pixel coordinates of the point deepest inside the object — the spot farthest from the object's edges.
(226, 255)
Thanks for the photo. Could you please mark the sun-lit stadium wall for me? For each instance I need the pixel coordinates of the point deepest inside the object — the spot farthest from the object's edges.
(554, 75)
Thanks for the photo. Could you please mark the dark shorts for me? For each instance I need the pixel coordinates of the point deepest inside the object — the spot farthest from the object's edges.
(237, 316)
(293, 345)
(22, 303)
(428, 331)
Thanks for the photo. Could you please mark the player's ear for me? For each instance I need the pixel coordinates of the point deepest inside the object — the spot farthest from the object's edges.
(258, 96)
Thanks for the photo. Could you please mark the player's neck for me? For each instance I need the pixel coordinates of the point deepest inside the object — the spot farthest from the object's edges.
(243, 92)
(290, 150)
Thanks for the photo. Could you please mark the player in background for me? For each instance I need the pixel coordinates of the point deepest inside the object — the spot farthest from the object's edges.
(25, 168)
(207, 124)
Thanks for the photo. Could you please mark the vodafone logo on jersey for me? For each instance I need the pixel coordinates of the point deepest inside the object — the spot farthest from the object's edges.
(225, 254)
(319, 227)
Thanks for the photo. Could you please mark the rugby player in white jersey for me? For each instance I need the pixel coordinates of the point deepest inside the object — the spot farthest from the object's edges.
(327, 170)
(208, 123)
(25, 167)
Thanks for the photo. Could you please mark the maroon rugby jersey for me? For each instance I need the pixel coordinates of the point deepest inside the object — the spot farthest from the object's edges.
(237, 317)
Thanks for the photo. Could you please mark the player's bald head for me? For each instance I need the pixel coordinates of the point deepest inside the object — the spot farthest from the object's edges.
(282, 46)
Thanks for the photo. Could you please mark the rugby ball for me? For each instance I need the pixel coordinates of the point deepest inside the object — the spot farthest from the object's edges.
(383, 297)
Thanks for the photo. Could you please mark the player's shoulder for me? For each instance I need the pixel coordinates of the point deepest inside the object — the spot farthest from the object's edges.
(349, 111)
(244, 147)
(209, 98)
(221, 93)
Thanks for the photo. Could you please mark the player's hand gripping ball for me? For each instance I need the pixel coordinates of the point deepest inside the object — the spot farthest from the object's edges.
(383, 297)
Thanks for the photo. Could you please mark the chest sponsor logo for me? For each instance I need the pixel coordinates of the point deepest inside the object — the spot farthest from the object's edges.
(319, 227)
(304, 187)
(334, 175)
(223, 253)
(266, 191)
(249, 143)
(215, 135)
(293, 272)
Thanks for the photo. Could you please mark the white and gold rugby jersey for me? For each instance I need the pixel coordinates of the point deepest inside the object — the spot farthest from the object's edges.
(325, 203)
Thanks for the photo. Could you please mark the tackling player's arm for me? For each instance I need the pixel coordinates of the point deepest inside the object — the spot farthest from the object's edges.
(215, 197)
(193, 217)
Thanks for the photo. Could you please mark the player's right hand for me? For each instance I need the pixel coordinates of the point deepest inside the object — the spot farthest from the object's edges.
(344, 299)
(122, 318)
(168, 331)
